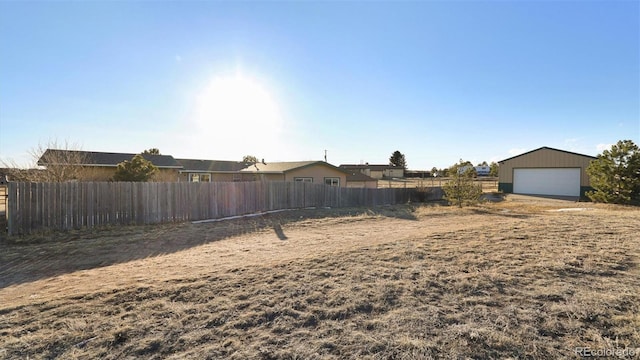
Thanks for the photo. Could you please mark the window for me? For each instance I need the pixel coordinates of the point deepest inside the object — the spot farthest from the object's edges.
(332, 181)
(200, 177)
(303, 179)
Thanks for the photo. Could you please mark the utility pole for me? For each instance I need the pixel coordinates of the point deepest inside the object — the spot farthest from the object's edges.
(325, 156)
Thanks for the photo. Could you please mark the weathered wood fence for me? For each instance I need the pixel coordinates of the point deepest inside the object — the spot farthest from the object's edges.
(34, 207)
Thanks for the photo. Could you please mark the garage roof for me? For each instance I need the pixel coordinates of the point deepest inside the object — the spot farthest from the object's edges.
(548, 148)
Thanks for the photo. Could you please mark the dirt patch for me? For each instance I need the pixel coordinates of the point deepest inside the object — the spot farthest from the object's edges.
(495, 281)
(29, 258)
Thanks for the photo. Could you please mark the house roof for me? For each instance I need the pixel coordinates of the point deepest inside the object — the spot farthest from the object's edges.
(547, 148)
(283, 167)
(94, 158)
(369, 166)
(358, 176)
(195, 165)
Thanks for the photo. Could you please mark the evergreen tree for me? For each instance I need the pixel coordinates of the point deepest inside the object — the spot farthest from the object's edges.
(249, 159)
(138, 169)
(398, 159)
(615, 174)
(493, 169)
(460, 189)
(152, 151)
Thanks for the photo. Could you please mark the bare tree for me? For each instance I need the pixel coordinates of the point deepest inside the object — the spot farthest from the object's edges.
(52, 162)
(11, 171)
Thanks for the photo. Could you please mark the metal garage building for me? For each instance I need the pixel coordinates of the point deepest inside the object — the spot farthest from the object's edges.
(545, 171)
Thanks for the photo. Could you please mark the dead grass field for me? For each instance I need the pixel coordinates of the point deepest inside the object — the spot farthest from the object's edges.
(504, 280)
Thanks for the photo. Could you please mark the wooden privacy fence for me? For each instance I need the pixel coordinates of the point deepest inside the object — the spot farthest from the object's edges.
(33, 207)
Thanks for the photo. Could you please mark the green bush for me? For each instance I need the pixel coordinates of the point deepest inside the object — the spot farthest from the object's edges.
(138, 169)
(460, 189)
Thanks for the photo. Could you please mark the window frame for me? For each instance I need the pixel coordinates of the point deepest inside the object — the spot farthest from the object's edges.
(200, 177)
(303, 179)
(332, 181)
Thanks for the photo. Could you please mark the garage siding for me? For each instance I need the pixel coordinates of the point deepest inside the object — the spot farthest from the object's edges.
(544, 157)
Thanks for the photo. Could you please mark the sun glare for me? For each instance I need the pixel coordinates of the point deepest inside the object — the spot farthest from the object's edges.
(238, 111)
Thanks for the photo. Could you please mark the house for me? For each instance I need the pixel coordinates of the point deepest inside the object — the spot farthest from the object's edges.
(421, 174)
(210, 170)
(480, 170)
(376, 171)
(101, 166)
(317, 172)
(356, 179)
(545, 171)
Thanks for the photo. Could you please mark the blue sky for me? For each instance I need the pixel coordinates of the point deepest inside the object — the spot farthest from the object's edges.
(284, 81)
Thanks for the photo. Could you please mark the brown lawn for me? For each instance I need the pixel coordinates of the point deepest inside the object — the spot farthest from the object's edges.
(505, 280)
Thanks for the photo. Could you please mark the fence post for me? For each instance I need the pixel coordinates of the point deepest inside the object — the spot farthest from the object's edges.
(10, 206)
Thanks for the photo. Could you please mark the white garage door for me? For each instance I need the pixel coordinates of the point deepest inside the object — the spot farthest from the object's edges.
(547, 181)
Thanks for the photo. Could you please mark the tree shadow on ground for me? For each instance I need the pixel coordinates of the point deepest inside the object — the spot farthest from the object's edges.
(492, 197)
(398, 212)
(504, 212)
(35, 257)
(279, 232)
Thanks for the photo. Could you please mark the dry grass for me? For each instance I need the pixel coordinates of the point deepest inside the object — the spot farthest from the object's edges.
(506, 280)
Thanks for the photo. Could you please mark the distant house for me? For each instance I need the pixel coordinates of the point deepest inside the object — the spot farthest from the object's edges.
(481, 170)
(210, 170)
(317, 172)
(423, 174)
(101, 166)
(356, 179)
(376, 171)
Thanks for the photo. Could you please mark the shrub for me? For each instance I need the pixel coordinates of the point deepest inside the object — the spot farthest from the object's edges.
(138, 169)
(460, 189)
